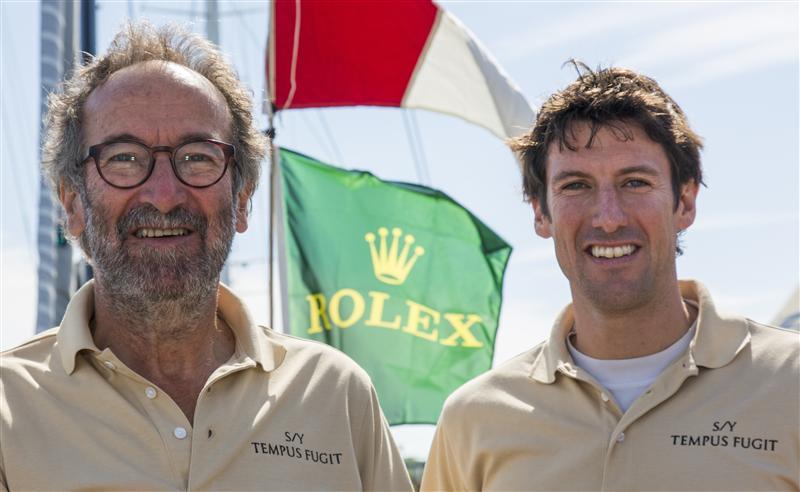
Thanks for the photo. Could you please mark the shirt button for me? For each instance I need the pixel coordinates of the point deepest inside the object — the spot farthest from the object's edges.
(179, 433)
(621, 437)
(150, 392)
(604, 396)
(109, 364)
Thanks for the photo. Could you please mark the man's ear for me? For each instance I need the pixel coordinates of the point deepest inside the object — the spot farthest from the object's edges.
(73, 209)
(686, 210)
(242, 208)
(541, 221)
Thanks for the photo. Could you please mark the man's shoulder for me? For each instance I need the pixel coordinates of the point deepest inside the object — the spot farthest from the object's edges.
(28, 371)
(774, 346)
(34, 351)
(510, 384)
(314, 354)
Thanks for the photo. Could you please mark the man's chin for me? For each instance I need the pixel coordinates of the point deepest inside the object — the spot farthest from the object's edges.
(155, 279)
(616, 296)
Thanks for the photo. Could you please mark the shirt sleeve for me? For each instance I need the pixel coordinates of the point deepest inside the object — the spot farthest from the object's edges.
(3, 484)
(380, 465)
(442, 471)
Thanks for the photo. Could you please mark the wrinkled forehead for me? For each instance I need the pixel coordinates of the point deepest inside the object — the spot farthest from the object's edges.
(155, 98)
(154, 78)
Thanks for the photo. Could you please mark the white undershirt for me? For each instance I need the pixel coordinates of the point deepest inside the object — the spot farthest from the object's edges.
(626, 379)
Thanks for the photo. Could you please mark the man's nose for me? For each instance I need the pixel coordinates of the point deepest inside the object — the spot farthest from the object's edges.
(609, 213)
(163, 190)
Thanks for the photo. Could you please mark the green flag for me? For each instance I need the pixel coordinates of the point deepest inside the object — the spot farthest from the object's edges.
(399, 277)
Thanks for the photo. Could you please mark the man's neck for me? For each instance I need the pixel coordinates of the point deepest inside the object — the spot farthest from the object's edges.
(174, 350)
(645, 330)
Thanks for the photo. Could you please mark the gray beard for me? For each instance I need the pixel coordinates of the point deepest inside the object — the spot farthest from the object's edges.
(152, 288)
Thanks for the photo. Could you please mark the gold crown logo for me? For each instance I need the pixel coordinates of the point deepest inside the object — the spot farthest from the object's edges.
(391, 267)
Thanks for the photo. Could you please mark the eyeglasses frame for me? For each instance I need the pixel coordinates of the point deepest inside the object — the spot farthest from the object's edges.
(94, 153)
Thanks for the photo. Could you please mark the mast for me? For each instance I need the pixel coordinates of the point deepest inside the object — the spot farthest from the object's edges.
(55, 253)
(212, 34)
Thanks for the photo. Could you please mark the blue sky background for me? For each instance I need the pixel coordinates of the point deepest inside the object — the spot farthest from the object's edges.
(732, 66)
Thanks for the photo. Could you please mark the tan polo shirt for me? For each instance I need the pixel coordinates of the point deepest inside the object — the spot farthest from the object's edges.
(724, 416)
(281, 414)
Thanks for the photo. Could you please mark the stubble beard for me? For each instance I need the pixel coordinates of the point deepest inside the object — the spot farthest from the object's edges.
(617, 296)
(622, 296)
(164, 288)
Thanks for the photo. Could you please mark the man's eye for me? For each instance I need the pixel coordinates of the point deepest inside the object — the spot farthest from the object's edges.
(636, 183)
(196, 158)
(124, 158)
(576, 185)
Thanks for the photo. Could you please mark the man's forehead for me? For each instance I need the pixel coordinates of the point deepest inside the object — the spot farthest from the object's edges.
(619, 142)
(583, 135)
(154, 96)
(153, 77)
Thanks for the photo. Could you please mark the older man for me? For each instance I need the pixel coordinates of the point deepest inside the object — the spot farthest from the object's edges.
(643, 384)
(157, 378)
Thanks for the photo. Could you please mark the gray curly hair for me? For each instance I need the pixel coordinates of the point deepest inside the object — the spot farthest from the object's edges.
(138, 42)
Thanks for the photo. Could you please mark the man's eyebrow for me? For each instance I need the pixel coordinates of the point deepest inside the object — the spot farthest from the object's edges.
(562, 175)
(184, 138)
(123, 136)
(641, 169)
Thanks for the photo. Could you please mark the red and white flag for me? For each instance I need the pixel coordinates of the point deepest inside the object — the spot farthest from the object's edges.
(409, 54)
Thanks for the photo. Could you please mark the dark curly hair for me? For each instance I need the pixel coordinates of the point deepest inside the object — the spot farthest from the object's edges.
(612, 98)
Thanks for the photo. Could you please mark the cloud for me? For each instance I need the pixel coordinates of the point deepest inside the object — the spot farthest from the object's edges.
(588, 23)
(688, 43)
(711, 47)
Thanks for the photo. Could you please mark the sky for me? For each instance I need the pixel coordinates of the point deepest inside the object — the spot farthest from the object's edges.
(732, 66)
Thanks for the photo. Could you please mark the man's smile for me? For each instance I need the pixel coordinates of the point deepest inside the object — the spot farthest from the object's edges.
(611, 252)
(147, 232)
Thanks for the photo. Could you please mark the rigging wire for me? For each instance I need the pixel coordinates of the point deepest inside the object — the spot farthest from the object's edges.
(239, 13)
(13, 150)
(20, 199)
(316, 135)
(415, 143)
(193, 15)
(31, 181)
(420, 146)
(329, 135)
(246, 47)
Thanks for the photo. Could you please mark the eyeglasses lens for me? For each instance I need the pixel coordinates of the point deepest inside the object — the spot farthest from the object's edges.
(124, 163)
(199, 163)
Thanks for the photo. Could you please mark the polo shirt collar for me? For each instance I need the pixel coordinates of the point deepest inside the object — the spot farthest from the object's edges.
(251, 338)
(717, 340)
(75, 334)
(554, 355)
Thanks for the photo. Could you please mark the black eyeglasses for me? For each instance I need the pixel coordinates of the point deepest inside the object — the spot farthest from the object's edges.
(128, 164)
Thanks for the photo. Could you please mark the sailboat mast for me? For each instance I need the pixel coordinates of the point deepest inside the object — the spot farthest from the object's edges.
(55, 253)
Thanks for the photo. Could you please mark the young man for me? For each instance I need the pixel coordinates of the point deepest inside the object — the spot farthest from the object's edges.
(157, 377)
(642, 385)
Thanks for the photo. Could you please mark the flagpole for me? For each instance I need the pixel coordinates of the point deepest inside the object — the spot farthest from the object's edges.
(272, 188)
